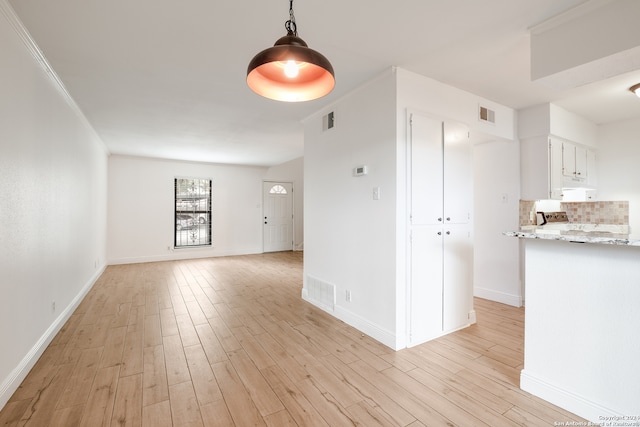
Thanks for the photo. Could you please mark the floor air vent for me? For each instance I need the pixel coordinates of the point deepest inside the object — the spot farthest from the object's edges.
(321, 293)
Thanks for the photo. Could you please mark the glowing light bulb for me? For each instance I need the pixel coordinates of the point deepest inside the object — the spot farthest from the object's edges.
(291, 69)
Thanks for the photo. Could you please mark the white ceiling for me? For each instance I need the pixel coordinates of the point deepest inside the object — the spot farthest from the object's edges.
(166, 78)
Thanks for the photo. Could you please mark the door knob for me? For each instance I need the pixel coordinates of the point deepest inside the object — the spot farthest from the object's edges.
(448, 232)
(439, 233)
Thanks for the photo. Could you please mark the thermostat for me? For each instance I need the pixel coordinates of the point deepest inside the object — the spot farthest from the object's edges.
(359, 170)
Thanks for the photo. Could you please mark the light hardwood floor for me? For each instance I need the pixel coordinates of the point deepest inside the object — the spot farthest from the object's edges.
(229, 342)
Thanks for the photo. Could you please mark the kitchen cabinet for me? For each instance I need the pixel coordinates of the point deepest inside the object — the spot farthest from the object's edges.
(541, 168)
(578, 166)
(542, 131)
(555, 169)
(549, 165)
(574, 162)
(592, 172)
(441, 198)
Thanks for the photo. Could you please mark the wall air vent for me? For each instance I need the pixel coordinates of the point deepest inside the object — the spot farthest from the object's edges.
(486, 115)
(321, 293)
(328, 121)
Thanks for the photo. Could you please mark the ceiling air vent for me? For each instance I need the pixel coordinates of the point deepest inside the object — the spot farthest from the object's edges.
(327, 121)
(487, 115)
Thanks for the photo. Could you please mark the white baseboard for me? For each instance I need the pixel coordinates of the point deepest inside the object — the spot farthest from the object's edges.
(374, 331)
(186, 253)
(473, 319)
(11, 383)
(565, 399)
(497, 296)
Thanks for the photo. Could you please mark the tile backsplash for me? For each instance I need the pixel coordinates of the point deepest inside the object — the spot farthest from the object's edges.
(604, 212)
(527, 212)
(597, 212)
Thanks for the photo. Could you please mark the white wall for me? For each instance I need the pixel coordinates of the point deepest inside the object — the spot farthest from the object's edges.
(53, 192)
(292, 171)
(141, 209)
(421, 93)
(350, 239)
(617, 163)
(549, 119)
(496, 182)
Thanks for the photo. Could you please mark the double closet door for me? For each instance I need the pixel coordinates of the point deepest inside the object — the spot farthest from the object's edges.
(441, 200)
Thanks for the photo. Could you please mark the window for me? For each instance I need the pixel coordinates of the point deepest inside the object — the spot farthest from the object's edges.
(278, 189)
(192, 212)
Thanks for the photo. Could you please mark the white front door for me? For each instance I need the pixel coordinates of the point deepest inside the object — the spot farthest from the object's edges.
(278, 216)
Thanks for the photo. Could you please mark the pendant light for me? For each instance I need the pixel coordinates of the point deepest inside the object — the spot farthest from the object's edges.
(290, 71)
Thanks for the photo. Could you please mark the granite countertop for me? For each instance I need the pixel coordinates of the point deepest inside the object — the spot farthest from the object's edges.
(579, 233)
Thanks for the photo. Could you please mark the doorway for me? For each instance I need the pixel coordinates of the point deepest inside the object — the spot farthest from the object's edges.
(277, 205)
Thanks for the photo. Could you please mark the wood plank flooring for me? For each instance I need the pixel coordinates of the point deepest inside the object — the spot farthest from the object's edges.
(229, 342)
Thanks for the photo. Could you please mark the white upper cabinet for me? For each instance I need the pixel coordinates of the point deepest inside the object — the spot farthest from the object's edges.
(555, 168)
(553, 155)
(580, 171)
(592, 173)
(574, 162)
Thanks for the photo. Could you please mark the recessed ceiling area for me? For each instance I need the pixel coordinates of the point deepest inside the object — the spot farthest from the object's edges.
(166, 79)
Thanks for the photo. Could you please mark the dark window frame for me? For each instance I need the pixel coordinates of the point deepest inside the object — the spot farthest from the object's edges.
(192, 212)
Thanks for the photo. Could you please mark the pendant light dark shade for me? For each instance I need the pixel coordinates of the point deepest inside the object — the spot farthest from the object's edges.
(290, 71)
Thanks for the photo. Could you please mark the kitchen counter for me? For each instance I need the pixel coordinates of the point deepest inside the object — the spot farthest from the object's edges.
(581, 346)
(577, 235)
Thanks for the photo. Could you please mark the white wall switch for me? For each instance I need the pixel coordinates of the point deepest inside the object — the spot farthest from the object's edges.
(376, 193)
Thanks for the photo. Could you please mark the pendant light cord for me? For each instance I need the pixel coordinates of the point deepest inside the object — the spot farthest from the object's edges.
(290, 25)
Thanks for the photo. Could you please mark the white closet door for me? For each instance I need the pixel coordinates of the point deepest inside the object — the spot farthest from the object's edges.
(457, 255)
(425, 290)
(426, 170)
(441, 196)
(426, 284)
(458, 174)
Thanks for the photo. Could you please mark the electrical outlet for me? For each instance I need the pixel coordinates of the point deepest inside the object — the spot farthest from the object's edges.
(348, 295)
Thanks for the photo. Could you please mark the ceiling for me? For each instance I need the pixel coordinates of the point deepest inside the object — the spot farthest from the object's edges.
(166, 78)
